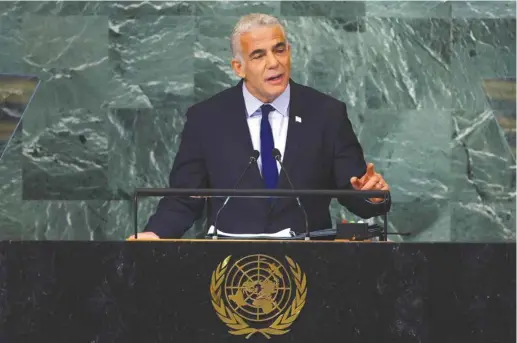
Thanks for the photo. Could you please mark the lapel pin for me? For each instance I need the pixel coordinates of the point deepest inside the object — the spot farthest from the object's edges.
(298, 119)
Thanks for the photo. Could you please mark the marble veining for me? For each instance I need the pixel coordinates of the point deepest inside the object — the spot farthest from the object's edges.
(117, 78)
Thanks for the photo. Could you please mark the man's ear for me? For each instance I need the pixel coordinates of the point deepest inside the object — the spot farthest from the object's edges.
(238, 68)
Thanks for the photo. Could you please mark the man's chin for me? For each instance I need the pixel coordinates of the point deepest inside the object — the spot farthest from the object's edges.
(274, 91)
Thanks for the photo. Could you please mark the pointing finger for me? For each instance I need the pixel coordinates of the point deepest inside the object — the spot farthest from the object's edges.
(370, 171)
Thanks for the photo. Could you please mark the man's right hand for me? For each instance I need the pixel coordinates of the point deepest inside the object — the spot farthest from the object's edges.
(144, 236)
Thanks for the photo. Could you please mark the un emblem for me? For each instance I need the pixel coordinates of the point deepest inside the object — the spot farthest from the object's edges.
(258, 294)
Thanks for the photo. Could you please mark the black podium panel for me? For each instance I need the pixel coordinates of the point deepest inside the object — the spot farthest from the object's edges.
(224, 291)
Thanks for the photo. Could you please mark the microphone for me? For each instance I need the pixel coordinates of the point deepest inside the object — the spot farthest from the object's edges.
(253, 159)
(278, 156)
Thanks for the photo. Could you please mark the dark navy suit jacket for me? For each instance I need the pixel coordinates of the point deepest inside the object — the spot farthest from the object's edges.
(322, 152)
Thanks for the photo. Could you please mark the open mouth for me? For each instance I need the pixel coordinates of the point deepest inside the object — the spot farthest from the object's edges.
(275, 78)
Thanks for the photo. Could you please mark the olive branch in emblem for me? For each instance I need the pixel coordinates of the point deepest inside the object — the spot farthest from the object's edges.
(237, 324)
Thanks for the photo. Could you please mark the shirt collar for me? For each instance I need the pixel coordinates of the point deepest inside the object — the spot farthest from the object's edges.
(281, 103)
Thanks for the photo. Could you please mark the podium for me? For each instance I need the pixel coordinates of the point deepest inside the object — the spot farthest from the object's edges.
(256, 291)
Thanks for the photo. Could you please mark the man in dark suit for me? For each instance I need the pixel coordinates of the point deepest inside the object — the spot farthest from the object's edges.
(266, 110)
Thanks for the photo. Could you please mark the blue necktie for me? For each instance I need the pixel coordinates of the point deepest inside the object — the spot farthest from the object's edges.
(267, 144)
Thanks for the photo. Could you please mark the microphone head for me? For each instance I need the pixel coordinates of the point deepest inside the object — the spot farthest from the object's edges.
(254, 156)
(276, 154)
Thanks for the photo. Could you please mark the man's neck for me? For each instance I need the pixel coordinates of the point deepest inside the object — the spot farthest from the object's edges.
(264, 100)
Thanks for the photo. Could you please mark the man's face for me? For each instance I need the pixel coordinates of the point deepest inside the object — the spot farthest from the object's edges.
(267, 62)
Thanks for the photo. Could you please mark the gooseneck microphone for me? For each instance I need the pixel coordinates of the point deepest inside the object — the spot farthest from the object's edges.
(253, 159)
(278, 156)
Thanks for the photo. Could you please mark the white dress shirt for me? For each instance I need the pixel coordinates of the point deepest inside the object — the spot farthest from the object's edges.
(279, 120)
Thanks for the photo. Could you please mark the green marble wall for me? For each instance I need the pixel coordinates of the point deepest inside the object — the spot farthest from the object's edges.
(117, 78)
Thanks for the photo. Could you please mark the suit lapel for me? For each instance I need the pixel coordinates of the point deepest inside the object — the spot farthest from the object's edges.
(239, 131)
(295, 134)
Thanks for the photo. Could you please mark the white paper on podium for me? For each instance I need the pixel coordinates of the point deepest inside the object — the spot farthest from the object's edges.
(286, 233)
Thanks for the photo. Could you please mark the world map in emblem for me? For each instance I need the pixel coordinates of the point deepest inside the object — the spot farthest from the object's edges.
(258, 288)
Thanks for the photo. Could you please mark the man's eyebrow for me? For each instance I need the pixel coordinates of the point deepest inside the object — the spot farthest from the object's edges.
(261, 51)
(256, 52)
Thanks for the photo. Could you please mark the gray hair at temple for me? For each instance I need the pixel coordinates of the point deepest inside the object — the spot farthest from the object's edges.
(248, 23)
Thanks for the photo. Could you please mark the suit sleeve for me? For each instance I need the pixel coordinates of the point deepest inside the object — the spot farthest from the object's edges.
(348, 162)
(175, 215)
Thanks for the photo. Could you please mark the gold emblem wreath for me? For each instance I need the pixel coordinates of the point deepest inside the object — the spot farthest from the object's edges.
(238, 325)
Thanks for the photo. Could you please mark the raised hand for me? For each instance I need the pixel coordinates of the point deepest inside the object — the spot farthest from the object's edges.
(370, 181)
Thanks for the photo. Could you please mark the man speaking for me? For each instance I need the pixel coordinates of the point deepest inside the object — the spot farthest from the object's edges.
(265, 117)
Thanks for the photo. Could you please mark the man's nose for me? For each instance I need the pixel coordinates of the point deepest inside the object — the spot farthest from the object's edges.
(272, 61)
